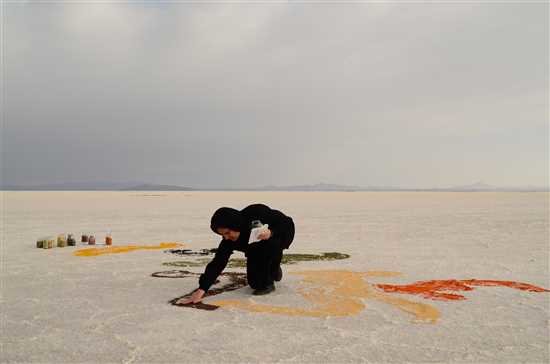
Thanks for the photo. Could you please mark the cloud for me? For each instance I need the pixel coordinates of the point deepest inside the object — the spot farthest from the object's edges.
(343, 93)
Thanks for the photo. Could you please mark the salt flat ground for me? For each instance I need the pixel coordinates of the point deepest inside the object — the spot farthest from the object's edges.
(60, 308)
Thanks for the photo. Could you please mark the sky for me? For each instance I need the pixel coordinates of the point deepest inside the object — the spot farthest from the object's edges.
(236, 94)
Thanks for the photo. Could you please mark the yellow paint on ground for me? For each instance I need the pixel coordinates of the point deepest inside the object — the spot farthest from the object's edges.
(376, 273)
(337, 293)
(422, 311)
(92, 252)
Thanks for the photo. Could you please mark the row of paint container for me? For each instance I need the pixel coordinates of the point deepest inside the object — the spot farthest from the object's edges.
(91, 239)
(68, 240)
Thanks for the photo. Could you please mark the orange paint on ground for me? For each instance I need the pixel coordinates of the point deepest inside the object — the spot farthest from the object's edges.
(337, 293)
(435, 289)
(92, 252)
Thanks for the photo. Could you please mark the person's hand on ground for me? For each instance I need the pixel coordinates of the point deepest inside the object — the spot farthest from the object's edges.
(195, 297)
(264, 235)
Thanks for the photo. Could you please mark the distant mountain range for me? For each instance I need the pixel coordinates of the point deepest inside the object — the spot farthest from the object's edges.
(316, 187)
(97, 186)
(150, 187)
(480, 186)
(72, 186)
(139, 186)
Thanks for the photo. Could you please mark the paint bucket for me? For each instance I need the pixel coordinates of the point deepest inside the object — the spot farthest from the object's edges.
(49, 243)
(61, 241)
(40, 243)
(91, 240)
(45, 243)
(70, 240)
(84, 239)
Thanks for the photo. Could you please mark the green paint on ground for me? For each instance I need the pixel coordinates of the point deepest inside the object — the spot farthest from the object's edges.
(295, 258)
(188, 263)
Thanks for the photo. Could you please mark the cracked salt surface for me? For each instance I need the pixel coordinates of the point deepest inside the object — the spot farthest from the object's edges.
(108, 309)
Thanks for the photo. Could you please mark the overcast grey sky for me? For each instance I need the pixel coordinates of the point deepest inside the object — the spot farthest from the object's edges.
(251, 94)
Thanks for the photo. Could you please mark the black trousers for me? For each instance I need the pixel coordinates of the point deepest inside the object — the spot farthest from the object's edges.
(264, 258)
(263, 262)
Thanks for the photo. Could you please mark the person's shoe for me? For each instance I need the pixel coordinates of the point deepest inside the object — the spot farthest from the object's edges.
(278, 275)
(262, 291)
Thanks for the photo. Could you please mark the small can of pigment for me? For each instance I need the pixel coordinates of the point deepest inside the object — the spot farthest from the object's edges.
(84, 239)
(61, 241)
(91, 240)
(70, 240)
(108, 240)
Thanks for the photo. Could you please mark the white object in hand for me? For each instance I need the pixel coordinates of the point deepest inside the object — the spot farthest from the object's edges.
(255, 232)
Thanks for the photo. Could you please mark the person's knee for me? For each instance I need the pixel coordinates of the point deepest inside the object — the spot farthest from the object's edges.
(264, 249)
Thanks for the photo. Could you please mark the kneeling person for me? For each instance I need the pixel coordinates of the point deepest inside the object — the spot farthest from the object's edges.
(263, 263)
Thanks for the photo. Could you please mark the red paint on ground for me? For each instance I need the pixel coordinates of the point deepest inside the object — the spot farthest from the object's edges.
(435, 289)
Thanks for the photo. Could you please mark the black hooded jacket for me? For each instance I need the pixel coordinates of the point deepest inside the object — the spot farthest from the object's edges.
(282, 229)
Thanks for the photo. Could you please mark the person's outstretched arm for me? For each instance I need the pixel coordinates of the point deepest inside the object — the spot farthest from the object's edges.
(212, 271)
